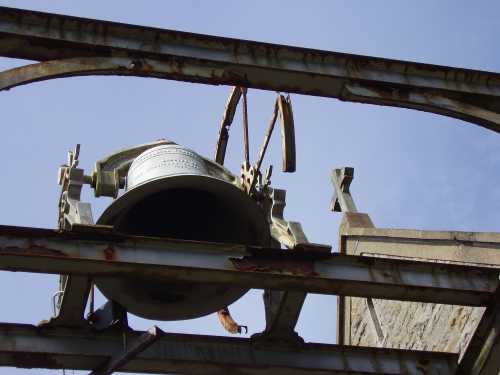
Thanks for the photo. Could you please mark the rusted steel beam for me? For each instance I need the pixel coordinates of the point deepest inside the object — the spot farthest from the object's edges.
(482, 356)
(469, 95)
(102, 254)
(29, 346)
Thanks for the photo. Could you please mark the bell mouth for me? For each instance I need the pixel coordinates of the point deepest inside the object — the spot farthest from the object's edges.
(191, 207)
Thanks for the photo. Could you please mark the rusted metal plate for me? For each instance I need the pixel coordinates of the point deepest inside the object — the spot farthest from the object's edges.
(102, 254)
(28, 346)
(466, 94)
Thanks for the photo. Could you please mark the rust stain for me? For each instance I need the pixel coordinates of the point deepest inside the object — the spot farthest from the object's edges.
(109, 253)
(228, 322)
(299, 268)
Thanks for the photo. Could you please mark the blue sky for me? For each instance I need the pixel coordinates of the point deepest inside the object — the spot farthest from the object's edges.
(412, 169)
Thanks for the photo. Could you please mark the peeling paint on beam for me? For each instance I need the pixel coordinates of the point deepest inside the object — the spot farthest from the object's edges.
(105, 255)
(48, 29)
(470, 95)
(29, 346)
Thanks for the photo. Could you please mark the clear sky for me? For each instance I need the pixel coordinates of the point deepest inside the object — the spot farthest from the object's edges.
(412, 169)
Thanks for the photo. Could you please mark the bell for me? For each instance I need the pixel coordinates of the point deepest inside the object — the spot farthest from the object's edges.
(173, 192)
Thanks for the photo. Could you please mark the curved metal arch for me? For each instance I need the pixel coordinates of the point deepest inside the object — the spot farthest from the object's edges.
(479, 112)
(477, 109)
(94, 66)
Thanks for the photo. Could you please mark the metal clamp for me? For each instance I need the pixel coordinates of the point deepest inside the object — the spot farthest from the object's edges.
(71, 178)
(288, 233)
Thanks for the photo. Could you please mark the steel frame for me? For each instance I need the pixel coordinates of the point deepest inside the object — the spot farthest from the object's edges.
(101, 254)
(70, 46)
(79, 46)
(88, 251)
(56, 347)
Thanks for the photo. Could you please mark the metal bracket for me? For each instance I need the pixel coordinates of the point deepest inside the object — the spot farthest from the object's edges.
(111, 314)
(110, 172)
(73, 290)
(283, 307)
(282, 313)
(72, 300)
(140, 344)
(71, 178)
(288, 233)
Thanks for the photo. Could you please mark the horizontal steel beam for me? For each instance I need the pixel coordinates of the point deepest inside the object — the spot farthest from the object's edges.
(466, 94)
(101, 254)
(29, 346)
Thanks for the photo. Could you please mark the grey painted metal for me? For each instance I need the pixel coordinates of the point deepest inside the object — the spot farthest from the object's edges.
(286, 232)
(109, 174)
(28, 346)
(342, 200)
(110, 315)
(482, 356)
(466, 94)
(73, 290)
(138, 345)
(282, 314)
(73, 301)
(104, 255)
(162, 162)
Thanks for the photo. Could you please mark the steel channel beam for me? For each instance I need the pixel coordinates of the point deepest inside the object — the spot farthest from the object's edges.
(103, 255)
(466, 94)
(482, 356)
(29, 346)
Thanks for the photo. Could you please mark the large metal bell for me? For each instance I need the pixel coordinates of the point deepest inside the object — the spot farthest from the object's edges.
(173, 192)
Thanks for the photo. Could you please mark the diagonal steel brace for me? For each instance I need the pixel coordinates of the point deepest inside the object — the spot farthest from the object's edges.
(140, 344)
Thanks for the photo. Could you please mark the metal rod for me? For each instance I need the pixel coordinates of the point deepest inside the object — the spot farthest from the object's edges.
(263, 148)
(92, 297)
(227, 120)
(267, 137)
(245, 126)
